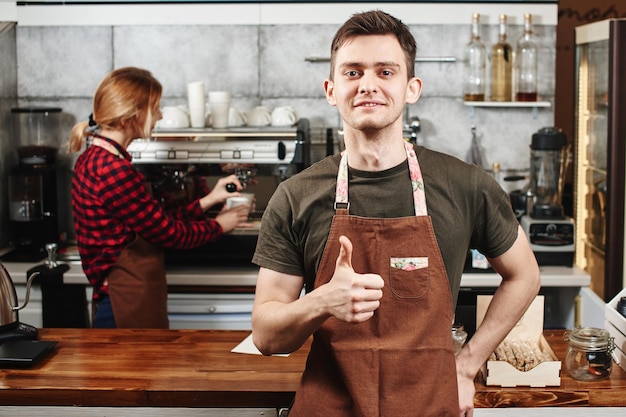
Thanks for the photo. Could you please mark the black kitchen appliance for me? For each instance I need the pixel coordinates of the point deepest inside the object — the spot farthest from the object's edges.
(33, 182)
(550, 231)
(181, 164)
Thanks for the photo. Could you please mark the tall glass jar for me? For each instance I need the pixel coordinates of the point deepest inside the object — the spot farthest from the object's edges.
(589, 354)
(526, 64)
(501, 66)
(459, 335)
(475, 60)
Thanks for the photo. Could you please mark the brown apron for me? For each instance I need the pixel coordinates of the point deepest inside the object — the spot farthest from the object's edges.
(401, 361)
(137, 283)
(138, 287)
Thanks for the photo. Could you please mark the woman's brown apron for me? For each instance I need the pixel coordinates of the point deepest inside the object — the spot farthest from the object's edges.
(401, 361)
(137, 282)
(138, 287)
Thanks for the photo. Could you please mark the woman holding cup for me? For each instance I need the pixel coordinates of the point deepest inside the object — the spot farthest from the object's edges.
(120, 227)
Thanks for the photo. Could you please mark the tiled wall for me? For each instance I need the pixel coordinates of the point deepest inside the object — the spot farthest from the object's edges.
(265, 64)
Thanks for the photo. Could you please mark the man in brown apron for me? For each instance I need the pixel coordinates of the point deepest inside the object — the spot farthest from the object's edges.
(380, 306)
(383, 359)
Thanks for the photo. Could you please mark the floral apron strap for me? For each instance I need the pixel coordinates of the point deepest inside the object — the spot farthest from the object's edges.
(417, 182)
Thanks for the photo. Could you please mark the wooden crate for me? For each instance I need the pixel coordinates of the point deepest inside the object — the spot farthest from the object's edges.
(529, 327)
(615, 324)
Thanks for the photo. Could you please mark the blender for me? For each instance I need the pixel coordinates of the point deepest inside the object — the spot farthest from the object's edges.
(33, 182)
(550, 232)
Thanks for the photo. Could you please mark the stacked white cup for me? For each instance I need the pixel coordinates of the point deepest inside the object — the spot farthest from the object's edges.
(220, 108)
(197, 103)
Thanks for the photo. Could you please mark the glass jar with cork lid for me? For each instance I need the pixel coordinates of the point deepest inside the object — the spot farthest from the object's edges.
(589, 353)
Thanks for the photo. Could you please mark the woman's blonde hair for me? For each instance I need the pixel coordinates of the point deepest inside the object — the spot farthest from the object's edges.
(127, 98)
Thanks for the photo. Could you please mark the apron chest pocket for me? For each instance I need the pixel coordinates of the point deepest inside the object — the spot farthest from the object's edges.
(409, 277)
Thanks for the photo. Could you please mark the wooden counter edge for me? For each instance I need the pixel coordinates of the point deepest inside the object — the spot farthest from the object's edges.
(607, 393)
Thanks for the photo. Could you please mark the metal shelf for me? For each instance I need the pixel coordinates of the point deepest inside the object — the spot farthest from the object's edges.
(534, 105)
(508, 103)
(240, 132)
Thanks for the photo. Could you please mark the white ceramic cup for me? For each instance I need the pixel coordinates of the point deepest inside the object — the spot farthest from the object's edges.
(196, 100)
(236, 117)
(220, 108)
(173, 117)
(284, 116)
(259, 116)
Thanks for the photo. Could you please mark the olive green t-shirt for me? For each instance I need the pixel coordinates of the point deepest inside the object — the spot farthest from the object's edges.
(467, 207)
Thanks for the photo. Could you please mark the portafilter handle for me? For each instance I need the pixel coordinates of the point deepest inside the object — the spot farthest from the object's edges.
(244, 175)
(51, 261)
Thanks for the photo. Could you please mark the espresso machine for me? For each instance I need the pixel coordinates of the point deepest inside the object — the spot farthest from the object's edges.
(32, 185)
(183, 164)
(549, 230)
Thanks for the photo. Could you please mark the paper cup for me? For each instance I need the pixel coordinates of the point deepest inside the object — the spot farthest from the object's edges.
(196, 94)
(233, 202)
(220, 108)
(197, 117)
(197, 103)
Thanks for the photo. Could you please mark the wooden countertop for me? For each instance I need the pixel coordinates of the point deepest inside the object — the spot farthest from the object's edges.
(196, 368)
(141, 367)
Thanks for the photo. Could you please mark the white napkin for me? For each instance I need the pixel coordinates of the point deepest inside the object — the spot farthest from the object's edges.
(247, 346)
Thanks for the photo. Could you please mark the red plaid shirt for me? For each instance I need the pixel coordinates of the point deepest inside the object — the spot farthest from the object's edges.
(111, 206)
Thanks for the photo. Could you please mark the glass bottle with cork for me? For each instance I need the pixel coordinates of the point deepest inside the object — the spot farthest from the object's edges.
(501, 66)
(475, 65)
(526, 64)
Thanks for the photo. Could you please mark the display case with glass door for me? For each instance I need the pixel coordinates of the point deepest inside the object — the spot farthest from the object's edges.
(600, 153)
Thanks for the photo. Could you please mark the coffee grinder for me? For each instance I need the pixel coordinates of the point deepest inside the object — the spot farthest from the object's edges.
(550, 232)
(33, 182)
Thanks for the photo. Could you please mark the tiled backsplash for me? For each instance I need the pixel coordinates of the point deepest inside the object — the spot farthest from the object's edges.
(266, 65)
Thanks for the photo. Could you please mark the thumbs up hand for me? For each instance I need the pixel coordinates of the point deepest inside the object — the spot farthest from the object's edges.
(352, 297)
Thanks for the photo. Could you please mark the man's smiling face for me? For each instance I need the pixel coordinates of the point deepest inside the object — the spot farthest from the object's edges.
(370, 84)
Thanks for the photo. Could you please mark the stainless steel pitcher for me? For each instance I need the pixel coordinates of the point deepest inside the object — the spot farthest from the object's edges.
(8, 297)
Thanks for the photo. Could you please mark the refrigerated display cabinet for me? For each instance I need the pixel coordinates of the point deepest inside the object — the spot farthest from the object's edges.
(600, 153)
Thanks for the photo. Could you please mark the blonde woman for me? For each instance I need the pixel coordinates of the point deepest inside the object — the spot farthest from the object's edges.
(120, 227)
